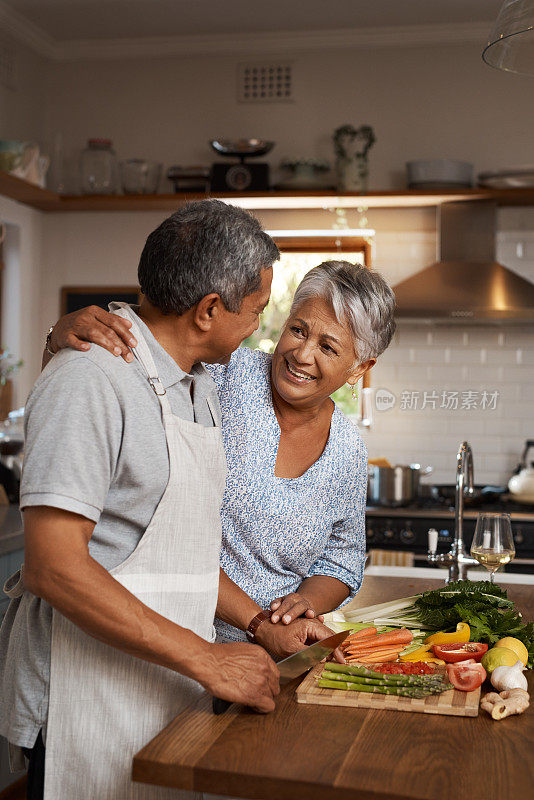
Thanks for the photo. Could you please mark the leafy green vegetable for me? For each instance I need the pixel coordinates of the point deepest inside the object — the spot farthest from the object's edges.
(483, 605)
(465, 587)
(439, 608)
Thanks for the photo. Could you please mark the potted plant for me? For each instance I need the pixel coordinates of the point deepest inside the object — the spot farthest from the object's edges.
(352, 146)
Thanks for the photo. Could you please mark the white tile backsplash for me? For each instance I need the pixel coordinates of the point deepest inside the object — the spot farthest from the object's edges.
(526, 392)
(495, 358)
(520, 374)
(461, 428)
(506, 427)
(483, 376)
(445, 376)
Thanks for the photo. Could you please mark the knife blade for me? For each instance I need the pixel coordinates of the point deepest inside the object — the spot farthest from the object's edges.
(294, 665)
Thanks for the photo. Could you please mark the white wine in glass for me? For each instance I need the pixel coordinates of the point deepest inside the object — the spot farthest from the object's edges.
(493, 543)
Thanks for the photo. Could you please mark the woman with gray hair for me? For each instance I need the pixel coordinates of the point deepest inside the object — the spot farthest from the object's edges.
(293, 514)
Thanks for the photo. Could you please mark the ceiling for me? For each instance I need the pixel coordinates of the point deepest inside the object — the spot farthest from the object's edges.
(68, 20)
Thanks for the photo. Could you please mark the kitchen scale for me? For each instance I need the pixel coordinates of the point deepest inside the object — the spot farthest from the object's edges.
(240, 177)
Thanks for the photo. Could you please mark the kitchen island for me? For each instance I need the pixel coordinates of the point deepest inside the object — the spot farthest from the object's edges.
(303, 752)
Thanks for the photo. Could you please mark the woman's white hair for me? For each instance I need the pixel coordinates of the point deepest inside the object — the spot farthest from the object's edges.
(359, 297)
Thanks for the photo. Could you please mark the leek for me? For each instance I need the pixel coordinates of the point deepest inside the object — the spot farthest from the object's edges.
(397, 613)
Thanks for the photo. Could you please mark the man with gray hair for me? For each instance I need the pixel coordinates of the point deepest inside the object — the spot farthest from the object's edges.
(110, 630)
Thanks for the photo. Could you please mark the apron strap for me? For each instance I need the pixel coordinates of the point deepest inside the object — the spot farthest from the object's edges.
(14, 586)
(215, 411)
(144, 356)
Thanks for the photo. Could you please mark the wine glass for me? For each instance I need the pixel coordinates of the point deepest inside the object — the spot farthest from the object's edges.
(493, 543)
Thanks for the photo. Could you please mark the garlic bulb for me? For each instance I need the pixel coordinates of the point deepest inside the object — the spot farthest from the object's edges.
(506, 678)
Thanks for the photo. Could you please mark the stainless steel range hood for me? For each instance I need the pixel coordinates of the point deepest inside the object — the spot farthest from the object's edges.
(466, 284)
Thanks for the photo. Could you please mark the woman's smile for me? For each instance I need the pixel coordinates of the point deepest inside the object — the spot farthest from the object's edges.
(296, 375)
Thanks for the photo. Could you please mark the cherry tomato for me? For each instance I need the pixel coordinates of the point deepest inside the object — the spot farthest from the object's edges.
(466, 675)
(459, 652)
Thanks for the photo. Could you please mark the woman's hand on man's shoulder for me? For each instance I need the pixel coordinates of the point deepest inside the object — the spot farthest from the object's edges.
(93, 325)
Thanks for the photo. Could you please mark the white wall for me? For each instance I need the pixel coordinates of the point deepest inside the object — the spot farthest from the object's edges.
(21, 292)
(22, 106)
(438, 101)
(22, 103)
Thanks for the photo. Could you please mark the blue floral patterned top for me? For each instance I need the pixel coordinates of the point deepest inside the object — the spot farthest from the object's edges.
(278, 531)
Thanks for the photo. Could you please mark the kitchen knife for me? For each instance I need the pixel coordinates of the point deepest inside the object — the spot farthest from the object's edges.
(294, 665)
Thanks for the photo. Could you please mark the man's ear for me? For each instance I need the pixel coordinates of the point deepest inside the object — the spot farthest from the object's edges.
(207, 311)
(360, 370)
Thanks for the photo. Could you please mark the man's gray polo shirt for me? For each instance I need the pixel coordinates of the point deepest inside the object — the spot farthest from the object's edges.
(95, 445)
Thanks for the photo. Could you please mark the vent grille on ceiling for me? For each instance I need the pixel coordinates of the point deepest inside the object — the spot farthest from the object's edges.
(265, 82)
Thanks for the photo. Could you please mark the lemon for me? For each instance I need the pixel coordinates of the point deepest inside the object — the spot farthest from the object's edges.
(498, 657)
(514, 644)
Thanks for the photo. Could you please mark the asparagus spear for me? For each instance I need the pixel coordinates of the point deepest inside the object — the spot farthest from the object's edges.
(437, 683)
(404, 691)
(363, 672)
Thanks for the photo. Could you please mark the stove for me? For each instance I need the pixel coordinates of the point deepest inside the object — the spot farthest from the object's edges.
(406, 529)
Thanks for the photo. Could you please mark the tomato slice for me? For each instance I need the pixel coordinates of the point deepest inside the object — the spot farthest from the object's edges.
(460, 651)
(466, 676)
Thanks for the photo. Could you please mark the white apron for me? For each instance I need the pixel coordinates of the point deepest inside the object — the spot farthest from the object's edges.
(105, 705)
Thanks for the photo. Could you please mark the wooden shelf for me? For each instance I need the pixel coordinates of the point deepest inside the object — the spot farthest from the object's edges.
(45, 200)
(24, 192)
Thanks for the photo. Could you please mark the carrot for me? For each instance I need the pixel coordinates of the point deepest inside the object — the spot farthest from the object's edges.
(364, 651)
(372, 659)
(376, 658)
(402, 636)
(371, 648)
(356, 642)
(376, 652)
(364, 633)
(369, 651)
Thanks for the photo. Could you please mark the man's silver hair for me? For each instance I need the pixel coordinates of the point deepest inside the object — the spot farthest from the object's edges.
(206, 246)
(359, 297)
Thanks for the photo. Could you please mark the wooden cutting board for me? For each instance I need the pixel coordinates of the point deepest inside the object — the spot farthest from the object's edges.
(452, 702)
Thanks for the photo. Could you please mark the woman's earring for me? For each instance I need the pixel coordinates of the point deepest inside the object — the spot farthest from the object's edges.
(355, 392)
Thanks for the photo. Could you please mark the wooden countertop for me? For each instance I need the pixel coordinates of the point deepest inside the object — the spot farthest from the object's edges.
(302, 752)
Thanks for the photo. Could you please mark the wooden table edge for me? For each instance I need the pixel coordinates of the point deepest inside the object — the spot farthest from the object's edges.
(150, 769)
(253, 787)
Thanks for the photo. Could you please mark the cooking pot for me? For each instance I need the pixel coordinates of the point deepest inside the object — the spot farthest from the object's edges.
(394, 486)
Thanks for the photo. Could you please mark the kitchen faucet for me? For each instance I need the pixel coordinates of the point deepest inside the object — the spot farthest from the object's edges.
(456, 559)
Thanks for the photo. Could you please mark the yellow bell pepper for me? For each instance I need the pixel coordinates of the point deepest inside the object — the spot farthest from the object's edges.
(417, 655)
(423, 653)
(460, 636)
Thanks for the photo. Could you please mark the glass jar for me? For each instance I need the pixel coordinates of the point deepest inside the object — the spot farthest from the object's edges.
(98, 167)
